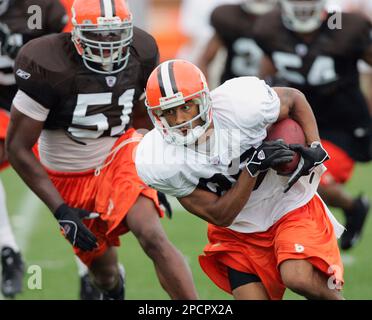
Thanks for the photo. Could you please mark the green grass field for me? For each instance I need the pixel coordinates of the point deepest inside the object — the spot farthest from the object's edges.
(39, 237)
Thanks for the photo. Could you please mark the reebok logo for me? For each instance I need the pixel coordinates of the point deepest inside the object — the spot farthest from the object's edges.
(23, 74)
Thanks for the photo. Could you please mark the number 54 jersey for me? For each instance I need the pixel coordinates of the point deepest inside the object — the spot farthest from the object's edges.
(324, 68)
(242, 110)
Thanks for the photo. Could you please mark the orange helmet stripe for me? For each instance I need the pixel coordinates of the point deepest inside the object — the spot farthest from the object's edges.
(90, 10)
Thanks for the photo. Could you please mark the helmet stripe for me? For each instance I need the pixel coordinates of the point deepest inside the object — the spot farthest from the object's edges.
(113, 8)
(102, 8)
(172, 77)
(107, 4)
(166, 80)
(160, 81)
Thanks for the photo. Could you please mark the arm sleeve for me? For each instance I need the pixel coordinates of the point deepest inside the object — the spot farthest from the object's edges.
(32, 79)
(156, 173)
(153, 175)
(23, 103)
(271, 105)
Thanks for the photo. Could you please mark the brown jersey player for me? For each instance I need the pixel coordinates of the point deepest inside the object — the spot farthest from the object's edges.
(233, 25)
(306, 48)
(17, 26)
(20, 21)
(77, 97)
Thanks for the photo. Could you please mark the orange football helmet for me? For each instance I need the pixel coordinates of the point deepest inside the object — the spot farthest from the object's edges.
(102, 33)
(170, 85)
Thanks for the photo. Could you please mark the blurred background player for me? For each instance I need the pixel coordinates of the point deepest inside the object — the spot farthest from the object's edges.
(233, 29)
(363, 7)
(305, 50)
(197, 32)
(14, 33)
(79, 101)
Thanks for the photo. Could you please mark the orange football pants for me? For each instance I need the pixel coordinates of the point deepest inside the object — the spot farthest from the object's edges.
(111, 194)
(303, 234)
(4, 123)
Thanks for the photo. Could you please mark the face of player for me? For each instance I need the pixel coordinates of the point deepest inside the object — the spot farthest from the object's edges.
(102, 37)
(182, 114)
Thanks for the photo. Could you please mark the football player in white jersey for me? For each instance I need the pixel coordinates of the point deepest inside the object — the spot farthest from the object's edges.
(266, 232)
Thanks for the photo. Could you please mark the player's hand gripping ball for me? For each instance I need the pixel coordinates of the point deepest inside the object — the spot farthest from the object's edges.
(291, 132)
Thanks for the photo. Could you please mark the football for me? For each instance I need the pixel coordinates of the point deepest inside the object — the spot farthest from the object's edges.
(291, 132)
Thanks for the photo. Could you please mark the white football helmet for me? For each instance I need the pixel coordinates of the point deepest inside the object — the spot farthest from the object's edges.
(303, 16)
(259, 7)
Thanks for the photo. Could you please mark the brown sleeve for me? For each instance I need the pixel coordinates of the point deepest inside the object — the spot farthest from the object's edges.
(32, 79)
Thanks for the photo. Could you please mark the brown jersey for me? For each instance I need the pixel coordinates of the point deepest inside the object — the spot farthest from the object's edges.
(325, 70)
(234, 26)
(83, 103)
(20, 20)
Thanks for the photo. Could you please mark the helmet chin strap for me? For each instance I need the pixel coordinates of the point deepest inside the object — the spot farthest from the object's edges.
(190, 138)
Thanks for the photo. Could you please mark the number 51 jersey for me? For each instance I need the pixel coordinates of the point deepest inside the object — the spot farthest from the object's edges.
(242, 110)
(82, 103)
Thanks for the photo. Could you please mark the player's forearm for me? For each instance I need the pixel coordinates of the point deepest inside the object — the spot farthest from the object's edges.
(220, 211)
(33, 174)
(228, 206)
(301, 112)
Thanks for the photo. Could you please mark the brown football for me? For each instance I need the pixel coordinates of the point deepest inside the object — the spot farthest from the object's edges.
(291, 132)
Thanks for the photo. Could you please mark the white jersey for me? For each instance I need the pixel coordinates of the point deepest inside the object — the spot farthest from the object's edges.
(243, 108)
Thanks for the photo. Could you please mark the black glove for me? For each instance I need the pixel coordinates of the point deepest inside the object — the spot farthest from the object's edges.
(310, 158)
(268, 155)
(165, 204)
(73, 228)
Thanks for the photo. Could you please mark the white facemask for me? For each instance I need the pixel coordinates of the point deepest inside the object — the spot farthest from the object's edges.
(302, 16)
(173, 134)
